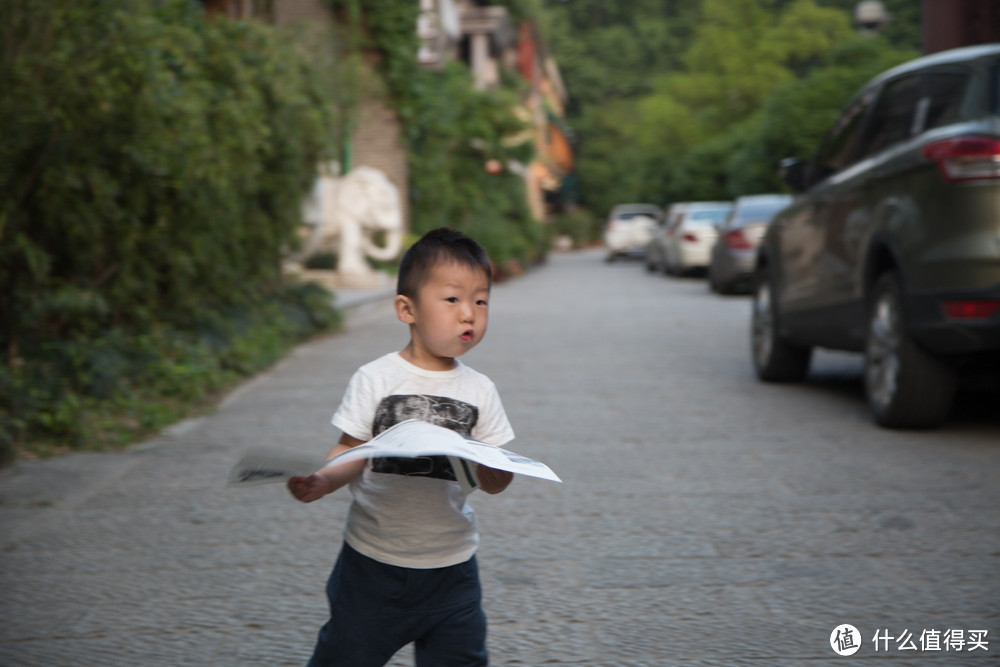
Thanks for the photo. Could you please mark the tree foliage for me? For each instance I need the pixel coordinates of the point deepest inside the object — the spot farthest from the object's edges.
(794, 116)
(610, 50)
(159, 172)
(904, 30)
(707, 111)
(149, 180)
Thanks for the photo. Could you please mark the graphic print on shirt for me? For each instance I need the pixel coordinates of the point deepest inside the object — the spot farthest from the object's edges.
(450, 413)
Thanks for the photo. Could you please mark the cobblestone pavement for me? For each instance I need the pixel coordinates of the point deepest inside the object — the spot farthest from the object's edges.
(705, 519)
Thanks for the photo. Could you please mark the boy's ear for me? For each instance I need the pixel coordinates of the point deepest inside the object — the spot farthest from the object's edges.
(404, 309)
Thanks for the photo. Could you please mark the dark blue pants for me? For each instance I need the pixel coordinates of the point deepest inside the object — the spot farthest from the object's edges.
(377, 609)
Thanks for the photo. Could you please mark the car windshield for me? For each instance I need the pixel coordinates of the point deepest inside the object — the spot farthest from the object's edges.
(635, 214)
(707, 217)
(759, 212)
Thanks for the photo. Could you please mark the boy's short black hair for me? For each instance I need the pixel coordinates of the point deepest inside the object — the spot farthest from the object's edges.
(435, 247)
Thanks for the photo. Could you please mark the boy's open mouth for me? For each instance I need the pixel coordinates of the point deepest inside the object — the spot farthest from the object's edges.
(467, 335)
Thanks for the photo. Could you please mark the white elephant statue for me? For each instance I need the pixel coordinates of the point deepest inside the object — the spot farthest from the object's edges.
(351, 209)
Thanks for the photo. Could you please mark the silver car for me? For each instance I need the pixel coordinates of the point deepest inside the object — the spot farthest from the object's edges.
(689, 235)
(656, 249)
(734, 254)
(629, 228)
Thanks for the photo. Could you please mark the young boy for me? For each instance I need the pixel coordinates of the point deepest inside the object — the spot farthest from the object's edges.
(407, 571)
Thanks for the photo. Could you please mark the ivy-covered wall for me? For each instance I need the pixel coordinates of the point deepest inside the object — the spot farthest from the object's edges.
(451, 130)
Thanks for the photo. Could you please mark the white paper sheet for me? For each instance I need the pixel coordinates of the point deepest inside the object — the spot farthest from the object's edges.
(411, 438)
(262, 465)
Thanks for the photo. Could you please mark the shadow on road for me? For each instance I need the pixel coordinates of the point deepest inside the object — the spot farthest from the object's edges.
(972, 408)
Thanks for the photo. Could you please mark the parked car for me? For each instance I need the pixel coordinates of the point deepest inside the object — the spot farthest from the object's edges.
(689, 235)
(656, 249)
(629, 228)
(893, 247)
(734, 254)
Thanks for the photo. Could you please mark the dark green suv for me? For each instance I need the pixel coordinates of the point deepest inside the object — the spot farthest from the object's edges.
(892, 246)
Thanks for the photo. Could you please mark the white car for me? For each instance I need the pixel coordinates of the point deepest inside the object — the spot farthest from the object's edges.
(629, 228)
(690, 233)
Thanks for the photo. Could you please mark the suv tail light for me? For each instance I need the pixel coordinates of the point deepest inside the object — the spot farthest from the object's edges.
(690, 237)
(970, 310)
(737, 240)
(966, 158)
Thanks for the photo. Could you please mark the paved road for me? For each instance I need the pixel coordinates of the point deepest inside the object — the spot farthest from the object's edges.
(705, 519)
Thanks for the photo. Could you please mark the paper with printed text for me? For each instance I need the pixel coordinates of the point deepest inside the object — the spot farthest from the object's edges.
(414, 438)
(410, 439)
(261, 465)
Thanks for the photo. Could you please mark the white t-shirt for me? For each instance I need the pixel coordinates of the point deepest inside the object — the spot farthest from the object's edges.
(411, 512)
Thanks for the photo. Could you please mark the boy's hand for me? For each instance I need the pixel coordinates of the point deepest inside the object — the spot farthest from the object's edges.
(492, 480)
(308, 489)
(315, 486)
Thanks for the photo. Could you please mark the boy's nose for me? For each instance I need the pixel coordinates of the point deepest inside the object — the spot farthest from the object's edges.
(468, 312)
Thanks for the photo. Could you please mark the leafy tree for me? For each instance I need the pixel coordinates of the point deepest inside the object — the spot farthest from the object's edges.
(739, 58)
(741, 53)
(609, 50)
(684, 108)
(609, 55)
(150, 182)
(608, 160)
(795, 116)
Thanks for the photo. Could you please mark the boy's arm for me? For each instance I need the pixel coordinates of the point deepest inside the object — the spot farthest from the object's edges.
(493, 428)
(328, 479)
(492, 480)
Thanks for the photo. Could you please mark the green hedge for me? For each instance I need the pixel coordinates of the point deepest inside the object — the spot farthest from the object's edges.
(109, 389)
(152, 168)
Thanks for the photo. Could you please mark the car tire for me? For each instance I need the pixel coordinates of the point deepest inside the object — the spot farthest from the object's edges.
(713, 283)
(774, 358)
(718, 286)
(906, 387)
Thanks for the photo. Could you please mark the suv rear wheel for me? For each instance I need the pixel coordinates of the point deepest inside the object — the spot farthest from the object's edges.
(774, 358)
(906, 386)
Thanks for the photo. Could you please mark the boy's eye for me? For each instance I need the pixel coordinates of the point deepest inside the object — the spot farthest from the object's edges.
(482, 302)
(452, 299)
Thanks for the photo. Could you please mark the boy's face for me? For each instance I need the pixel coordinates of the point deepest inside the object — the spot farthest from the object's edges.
(449, 316)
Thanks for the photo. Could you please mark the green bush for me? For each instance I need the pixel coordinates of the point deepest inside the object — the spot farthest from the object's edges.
(454, 129)
(579, 224)
(156, 173)
(149, 183)
(121, 384)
